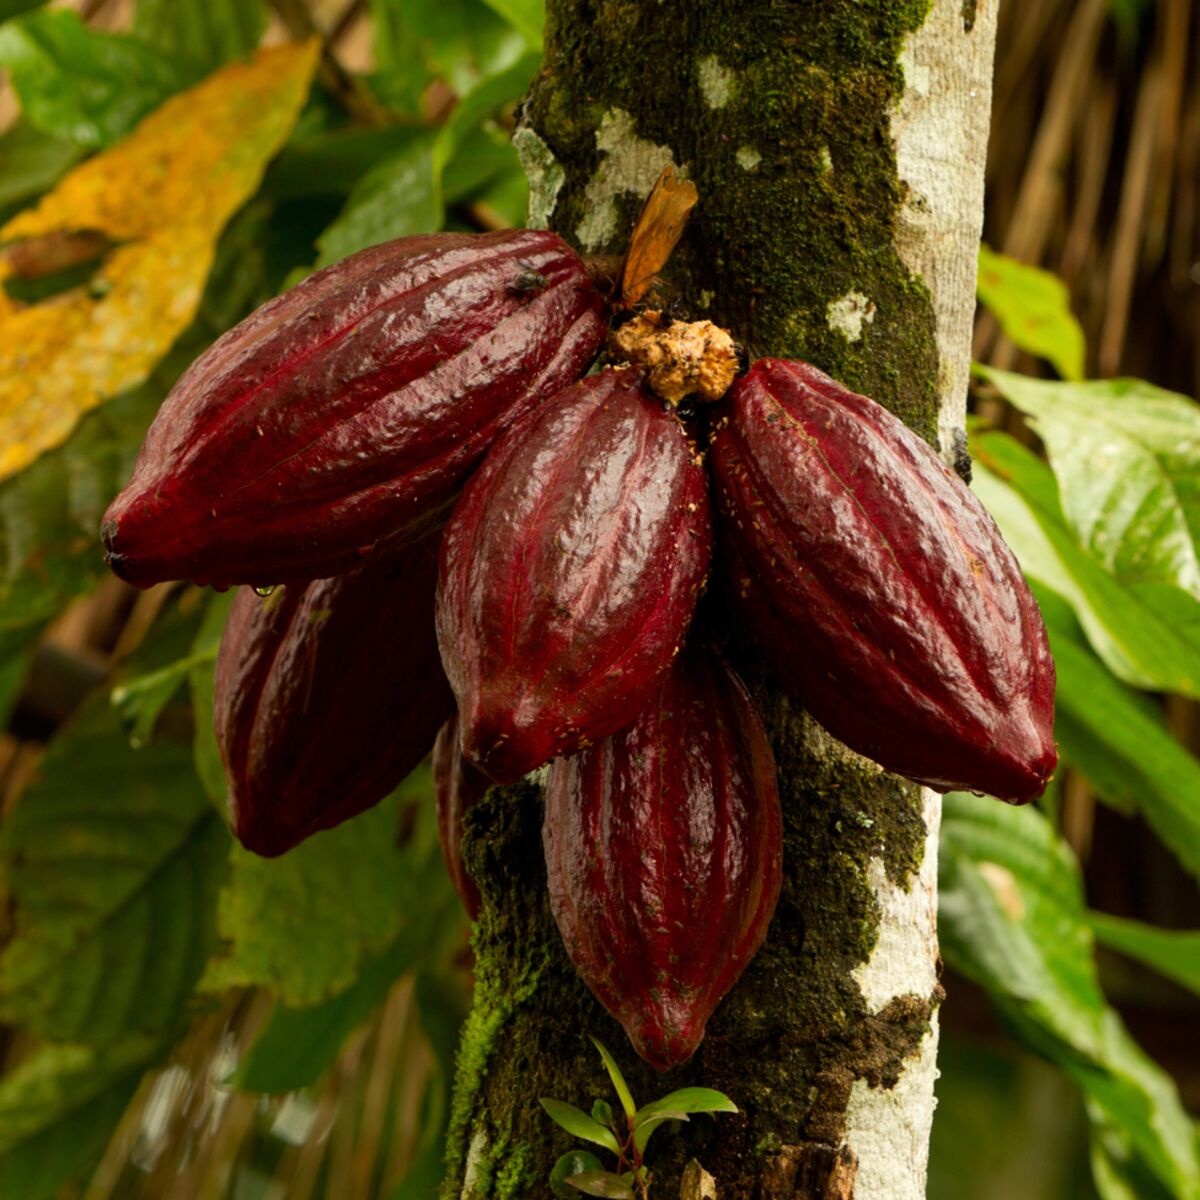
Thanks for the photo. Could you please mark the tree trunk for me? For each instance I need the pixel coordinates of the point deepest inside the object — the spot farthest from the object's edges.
(838, 148)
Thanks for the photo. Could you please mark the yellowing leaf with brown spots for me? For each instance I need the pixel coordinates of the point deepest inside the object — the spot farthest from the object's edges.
(159, 199)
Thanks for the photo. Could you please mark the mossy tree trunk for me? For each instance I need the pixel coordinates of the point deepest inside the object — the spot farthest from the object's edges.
(838, 148)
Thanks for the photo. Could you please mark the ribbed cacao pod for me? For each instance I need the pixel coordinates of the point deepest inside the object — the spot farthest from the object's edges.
(879, 589)
(570, 569)
(348, 411)
(459, 785)
(327, 696)
(663, 853)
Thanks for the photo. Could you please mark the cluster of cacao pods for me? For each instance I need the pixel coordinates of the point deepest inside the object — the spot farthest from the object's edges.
(476, 536)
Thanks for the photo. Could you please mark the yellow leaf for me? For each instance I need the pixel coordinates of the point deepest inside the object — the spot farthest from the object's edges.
(163, 196)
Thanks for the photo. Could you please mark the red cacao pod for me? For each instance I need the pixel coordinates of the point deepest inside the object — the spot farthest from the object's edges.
(348, 411)
(327, 695)
(663, 854)
(459, 785)
(879, 589)
(570, 569)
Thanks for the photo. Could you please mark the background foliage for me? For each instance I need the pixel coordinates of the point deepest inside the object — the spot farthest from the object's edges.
(181, 1018)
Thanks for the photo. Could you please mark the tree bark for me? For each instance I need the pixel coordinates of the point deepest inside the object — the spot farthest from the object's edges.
(838, 148)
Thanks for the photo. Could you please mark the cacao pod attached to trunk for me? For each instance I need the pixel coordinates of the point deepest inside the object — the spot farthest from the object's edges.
(879, 589)
(459, 786)
(347, 412)
(326, 696)
(663, 853)
(569, 573)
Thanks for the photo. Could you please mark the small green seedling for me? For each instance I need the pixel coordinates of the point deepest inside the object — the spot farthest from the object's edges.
(626, 1137)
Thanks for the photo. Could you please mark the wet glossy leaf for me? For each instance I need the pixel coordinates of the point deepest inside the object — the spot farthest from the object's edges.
(1126, 456)
(618, 1080)
(576, 1121)
(688, 1100)
(1146, 634)
(1034, 310)
(60, 359)
(602, 1183)
(572, 1163)
(77, 83)
(1118, 739)
(1011, 917)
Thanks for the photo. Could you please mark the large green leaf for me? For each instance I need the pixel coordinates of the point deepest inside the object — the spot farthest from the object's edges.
(1118, 740)
(31, 161)
(526, 16)
(1034, 310)
(399, 196)
(460, 41)
(58, 1109)
(1146, 634)
(112, 859)
(298, 1044)
(76, 83)
(1174, 953)
(205, 34)
(1127, 458)
(1011, 917)
(304, 925)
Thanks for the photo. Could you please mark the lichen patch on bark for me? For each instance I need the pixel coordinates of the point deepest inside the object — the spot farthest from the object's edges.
(629, 166)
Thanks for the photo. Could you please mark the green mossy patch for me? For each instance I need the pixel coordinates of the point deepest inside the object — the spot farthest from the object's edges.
(813, 87)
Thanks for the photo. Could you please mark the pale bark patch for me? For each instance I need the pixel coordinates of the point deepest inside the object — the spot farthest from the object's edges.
(631, 165)
(716, 81)
(849, 313)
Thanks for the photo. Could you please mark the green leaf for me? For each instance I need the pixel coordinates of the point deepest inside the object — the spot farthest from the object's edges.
(574, 1162)
(160, 669)
(32, 161)
(602, 1183)
(207, 755)
(205, 34)
(112, 860)
(460, 41)
(1174, 953)
(331, 162)
(528, 17)
(576, 1121)
(303, 925)
(76, 83)
(14, 8)
(641, 1135)
(401, 195)
(1127, 458)
(58, 1109)
(688, 1100)
(1011, 917)
(1118, 740)
(618, 1080)
(298, 1044)
(1034, 310)
(602, 1112)
(1147, 635)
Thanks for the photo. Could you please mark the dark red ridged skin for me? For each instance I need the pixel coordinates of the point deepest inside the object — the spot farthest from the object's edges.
(349, 410)
(569, 573)
(459, 785)
(663, 853)
(327, 695)
(879, 589)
